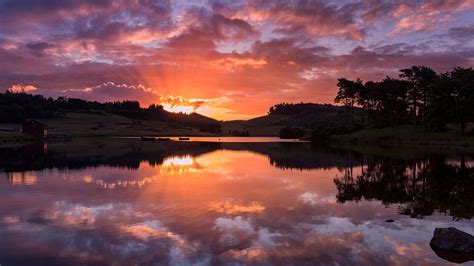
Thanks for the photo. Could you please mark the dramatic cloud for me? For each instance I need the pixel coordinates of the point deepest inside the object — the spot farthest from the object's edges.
(316, 18)
(237, 57)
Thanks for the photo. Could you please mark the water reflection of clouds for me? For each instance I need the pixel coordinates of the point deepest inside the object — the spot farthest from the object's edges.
(343, 244)
(312, 198)
(404, 241)
(180, 250)
(262, 215)
(239, 239)
(137, 243)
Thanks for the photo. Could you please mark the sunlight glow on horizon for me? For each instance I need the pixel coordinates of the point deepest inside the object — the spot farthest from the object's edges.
(180, 104)
(178, 108)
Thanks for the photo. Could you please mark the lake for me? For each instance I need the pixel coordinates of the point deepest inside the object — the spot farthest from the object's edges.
(124, 202)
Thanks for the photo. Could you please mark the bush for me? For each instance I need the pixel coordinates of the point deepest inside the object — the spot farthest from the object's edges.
(322, 133)
(291, 133)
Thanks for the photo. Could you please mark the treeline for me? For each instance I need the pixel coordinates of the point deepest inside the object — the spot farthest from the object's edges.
(315, 120)
(419, 96)
(294, 109)
(18, 107)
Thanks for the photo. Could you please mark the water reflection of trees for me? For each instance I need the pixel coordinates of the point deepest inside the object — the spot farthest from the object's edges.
(298, 155)
(421, 187)
(130, 153)
(122, 154)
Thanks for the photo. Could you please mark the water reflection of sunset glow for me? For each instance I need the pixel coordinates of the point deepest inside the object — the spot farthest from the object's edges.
(178, 165)
(124, 183)
(177, 160)
(25, 178)
(228, 207)
(143, 231)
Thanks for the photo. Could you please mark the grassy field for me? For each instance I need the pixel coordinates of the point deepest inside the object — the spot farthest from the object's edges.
(13, 137)
(408, 135)
(100, 125)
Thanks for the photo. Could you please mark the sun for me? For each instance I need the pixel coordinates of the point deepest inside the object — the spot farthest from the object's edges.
(178, 108)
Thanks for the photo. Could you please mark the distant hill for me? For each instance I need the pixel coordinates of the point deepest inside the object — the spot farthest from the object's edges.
(18, 107)
(303, 115)
(77, 117)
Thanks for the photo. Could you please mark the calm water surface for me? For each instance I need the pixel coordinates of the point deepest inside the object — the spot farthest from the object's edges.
(127, 202)
(228, 139)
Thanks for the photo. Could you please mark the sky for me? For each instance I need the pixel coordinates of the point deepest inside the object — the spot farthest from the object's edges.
(224, 59)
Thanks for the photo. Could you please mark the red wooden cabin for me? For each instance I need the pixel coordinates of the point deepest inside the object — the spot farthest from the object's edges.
(35, 128)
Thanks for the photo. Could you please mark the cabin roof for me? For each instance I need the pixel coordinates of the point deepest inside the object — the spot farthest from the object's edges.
(29, 122)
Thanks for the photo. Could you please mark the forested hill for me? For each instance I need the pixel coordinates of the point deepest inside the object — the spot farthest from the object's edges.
(312, 114)
(18, 107)
(302, 115)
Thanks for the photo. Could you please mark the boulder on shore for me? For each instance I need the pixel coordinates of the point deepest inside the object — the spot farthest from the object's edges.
(453, 245)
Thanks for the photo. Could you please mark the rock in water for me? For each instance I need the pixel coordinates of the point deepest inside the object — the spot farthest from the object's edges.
(453, 245)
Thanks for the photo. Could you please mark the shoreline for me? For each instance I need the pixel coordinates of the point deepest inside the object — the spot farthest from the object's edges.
(342, 140)
(402, 136)
(406, 136)
(15, 141)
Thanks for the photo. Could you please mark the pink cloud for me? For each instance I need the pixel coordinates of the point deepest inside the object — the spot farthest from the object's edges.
(428, 16)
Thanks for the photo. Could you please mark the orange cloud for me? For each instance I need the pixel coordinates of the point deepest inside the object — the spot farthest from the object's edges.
(21, 88)
(236, 62)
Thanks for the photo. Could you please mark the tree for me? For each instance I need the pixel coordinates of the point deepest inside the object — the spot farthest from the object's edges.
(463, 93)
(393, 100)
(369, 98)
(441, 99)
(347, 94)
(420, 78)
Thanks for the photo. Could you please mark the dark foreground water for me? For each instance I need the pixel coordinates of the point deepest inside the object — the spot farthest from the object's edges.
(127, 202)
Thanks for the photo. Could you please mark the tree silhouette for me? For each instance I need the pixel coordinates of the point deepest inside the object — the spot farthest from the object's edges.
(347, 94)
(420, 78)
(463, 94)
